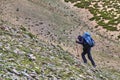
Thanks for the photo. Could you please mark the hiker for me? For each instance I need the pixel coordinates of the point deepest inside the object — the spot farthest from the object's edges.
(87, 42)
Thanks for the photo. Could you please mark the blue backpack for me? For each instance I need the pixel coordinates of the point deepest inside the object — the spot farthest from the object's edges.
(88, 39)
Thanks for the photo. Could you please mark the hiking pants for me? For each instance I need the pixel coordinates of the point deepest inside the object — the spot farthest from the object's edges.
(88, 52)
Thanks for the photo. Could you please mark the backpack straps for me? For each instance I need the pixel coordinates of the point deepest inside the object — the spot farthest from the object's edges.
(88, 39)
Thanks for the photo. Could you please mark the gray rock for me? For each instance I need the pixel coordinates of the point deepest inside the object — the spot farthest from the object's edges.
(1, 44)
(33, 74)
(8, 47)
(16, 50)
(16, 72)
(27, 75)
(31, 57)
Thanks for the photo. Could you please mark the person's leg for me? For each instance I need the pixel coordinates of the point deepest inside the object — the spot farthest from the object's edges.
(90, 57)
(83, 56)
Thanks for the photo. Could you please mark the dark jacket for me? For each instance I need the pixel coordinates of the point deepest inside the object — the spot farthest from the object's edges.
(82, 41)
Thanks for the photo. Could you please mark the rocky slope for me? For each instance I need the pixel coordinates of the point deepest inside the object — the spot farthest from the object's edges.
(24, 57)
(38, 38)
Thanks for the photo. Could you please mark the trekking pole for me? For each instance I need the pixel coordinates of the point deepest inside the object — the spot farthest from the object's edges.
(77, 50)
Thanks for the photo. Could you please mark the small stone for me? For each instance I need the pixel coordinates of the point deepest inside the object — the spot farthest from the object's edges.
(16, 72)
(31, 57)
(1, 44)
(16, 51)
(11, 59)
(17, 9)
(82, 76)
(27, 36)
(72, 78)
(22, 52)
(7, 47)
(1, 54)
(33, 74)
(27, 75)
(41, 23)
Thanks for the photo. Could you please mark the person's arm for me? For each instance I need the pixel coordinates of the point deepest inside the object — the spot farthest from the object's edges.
(80, 40)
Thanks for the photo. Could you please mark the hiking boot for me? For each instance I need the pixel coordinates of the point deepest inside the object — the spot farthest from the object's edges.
(94, 66)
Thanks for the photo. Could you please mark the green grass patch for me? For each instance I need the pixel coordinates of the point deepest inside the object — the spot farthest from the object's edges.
(104, 13)
(110, 28)
(106, 26)
(30, 35)
(82, 4)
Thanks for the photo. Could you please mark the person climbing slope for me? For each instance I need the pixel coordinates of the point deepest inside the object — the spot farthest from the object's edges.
(87, 42)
